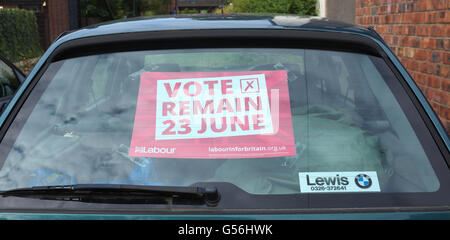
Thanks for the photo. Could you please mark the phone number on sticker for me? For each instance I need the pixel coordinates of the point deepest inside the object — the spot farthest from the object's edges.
(328, 188)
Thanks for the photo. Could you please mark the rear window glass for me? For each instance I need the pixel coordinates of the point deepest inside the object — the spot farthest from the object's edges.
(269, 121)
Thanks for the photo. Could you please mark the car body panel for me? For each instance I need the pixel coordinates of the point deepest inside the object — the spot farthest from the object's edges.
(170, 23)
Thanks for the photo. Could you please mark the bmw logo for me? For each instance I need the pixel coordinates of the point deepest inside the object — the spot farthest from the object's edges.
(363, 181)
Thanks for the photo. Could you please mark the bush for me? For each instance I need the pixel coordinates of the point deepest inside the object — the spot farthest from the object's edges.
(19, 38)
(300, 7)
(189, 11)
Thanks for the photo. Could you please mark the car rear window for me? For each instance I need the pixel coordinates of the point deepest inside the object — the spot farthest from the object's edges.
(268, 121)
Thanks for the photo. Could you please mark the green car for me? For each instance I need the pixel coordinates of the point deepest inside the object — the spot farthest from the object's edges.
(222, 117)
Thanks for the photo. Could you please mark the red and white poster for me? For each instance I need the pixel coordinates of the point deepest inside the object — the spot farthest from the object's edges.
(213, 115)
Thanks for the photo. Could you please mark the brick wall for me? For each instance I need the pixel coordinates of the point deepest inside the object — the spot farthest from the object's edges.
(418, 31)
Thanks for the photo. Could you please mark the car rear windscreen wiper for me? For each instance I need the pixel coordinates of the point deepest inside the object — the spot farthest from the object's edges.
(119, 193)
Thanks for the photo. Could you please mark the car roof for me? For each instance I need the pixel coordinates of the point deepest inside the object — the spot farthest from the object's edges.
(214, 21)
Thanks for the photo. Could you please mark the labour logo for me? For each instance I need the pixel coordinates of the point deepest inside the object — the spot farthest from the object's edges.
(250, 85)
(363, 181)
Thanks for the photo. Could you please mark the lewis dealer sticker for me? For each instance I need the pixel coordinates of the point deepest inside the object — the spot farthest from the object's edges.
(326, 182)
